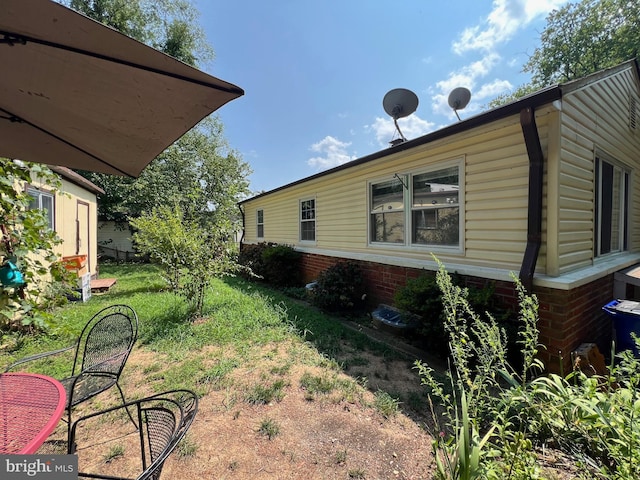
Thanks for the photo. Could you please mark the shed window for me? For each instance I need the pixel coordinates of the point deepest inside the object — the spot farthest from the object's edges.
(260, 223)
(43, 201)
(308, 220)
(611, 202)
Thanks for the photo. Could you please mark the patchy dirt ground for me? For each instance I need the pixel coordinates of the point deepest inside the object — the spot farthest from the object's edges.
(300, 434)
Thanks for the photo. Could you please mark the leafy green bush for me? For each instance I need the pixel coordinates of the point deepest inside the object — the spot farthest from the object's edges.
(423, 297)
(251, 258)
(189, 256)
(497, 419)
(340, 288)
(281, 265)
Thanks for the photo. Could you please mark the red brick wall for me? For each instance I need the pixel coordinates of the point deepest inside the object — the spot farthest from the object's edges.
(567, 318)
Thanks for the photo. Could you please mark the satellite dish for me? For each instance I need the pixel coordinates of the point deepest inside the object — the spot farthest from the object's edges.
(399, 103)
(458, 99)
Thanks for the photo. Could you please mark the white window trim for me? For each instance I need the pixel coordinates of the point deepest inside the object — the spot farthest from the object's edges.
(315, 220)
(39, 194)
(258, 223)
(625, 208)
(407, 178)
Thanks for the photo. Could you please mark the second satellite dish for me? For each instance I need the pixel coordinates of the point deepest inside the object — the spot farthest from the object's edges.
(458, 99)
(399, 103)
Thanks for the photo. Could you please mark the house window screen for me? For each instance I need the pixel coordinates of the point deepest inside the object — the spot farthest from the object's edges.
(611, 199)
(308, 220)
(260, 223)
(387, 215)
(435, 209)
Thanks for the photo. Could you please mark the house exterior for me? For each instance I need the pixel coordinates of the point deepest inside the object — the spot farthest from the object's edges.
(72, 212)
(545, 186)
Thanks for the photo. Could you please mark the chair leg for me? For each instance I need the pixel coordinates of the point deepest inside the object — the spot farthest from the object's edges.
(126, 408)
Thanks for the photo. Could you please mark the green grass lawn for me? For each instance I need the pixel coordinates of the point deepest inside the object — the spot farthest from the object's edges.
(238, 314)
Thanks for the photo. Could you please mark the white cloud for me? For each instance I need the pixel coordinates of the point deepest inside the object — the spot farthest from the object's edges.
(468, 77)
(412, 126)
(332, 151)
(506, 18)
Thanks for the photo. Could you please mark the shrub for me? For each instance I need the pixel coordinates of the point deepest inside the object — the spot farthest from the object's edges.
(423, 297)
(340, 288)
(251, 258)
(281, 265)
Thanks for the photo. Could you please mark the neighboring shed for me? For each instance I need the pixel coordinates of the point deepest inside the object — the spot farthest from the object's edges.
(544, 186)
(73, 215)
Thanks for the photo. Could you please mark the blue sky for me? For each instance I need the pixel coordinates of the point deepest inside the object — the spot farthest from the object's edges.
(315, 72)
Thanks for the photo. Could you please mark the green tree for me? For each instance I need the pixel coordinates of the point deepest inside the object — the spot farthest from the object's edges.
(170, 26)
(199, 173)
(579, 39)
(27, 243)
(189, 255)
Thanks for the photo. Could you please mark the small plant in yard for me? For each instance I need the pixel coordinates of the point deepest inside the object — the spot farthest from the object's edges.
(187, 447)
(260, 394)
(387, 405)
(269, 428)
(114, 452)
(340, 288)
(341, 457)
(357, 473)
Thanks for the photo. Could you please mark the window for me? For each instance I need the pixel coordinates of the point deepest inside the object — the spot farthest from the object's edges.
(428, 203)
(435, 218)
(387, 211)
(308, 220)
(43, 201)
(611, 201)
(260, 223)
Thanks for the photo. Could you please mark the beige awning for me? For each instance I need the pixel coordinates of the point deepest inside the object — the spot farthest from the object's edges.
(76, 93)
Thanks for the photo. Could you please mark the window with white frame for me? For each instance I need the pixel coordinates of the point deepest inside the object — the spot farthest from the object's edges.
(611, 207)
(421, 208)
(435, 208)
(43, 201)
(308, 220)
(387, 211)
(260, 223)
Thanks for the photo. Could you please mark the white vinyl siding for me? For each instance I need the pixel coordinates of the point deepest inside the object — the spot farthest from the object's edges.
(593, 120)
(493, 192)
(41, 200)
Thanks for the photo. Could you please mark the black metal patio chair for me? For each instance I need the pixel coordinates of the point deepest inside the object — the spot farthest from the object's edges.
(163, 418)
(101, 352)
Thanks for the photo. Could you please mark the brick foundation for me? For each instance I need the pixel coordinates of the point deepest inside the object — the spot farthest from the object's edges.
(567, 318)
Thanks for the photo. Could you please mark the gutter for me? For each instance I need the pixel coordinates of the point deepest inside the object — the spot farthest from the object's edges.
(243, 224)
(534, 221)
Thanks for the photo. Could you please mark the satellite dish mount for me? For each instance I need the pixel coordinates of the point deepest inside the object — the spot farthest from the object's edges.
(458, 99)
(399, 103)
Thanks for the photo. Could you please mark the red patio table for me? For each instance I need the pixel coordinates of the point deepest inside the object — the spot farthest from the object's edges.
(31, 406)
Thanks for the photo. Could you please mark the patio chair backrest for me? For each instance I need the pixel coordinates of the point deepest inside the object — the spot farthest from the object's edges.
(166, 418)
(106, 341)
(163, 421)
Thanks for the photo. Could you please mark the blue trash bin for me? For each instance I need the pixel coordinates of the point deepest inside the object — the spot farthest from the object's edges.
(626, 319)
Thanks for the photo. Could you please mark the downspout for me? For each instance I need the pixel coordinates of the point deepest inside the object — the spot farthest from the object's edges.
(534, 222)
(243, 226)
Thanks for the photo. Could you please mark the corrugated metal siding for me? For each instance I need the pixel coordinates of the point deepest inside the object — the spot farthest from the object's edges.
(595, 118)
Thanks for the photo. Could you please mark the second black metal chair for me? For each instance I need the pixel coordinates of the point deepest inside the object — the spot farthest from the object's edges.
(101, 352)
